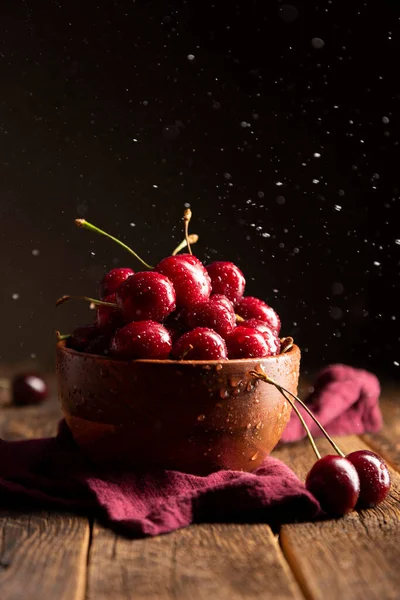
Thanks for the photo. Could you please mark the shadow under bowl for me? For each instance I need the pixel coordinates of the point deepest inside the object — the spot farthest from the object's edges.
(193, 416)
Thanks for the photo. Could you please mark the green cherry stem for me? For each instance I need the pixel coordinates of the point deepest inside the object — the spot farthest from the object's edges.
(187, 215)
(60, 337)
(86, 225)
(87, 299)
(193, 238)
(282, 390)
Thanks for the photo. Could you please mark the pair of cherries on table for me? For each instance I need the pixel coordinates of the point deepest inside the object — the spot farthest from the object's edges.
(186, 311)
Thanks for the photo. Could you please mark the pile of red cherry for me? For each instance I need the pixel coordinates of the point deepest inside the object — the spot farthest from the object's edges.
(180, 310)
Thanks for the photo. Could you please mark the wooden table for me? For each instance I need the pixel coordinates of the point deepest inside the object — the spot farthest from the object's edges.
(50, 556)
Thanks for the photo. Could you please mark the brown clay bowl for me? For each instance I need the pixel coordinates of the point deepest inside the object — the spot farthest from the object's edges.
(195, 416)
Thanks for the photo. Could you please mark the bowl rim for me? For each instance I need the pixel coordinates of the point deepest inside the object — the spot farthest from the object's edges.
(294, 350)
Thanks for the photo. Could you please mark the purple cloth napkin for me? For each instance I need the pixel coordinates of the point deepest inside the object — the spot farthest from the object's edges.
(52, 472)
(345, 400)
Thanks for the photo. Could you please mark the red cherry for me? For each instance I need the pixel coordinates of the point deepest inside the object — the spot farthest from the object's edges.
(100, 345)
(245, 342)
(142, 339)
(81, 336)
(217, 313)
(109, 318)
(112, 280)
(334, 481)
(28, 389)
(254, 308)
(200, 344)
(270, 336)
(146, 296)
(374, 477)
(227, 279)
(189, 276)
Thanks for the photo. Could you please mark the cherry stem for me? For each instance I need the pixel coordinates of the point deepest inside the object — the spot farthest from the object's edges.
(87, 299)
(239, 319)
(4, 383)
(188, 349)
(287, 344)
(266, 379)
(187, 215)
(193, 238)
(62, 336)
(86, 225)
(308, 411)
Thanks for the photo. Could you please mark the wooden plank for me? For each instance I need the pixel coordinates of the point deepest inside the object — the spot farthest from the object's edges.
(221, 561)
(18, 423)
(43, 556)
(387, 441)
(355, 557)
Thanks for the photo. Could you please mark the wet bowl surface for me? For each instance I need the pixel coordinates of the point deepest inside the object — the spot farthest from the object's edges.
(195, 416)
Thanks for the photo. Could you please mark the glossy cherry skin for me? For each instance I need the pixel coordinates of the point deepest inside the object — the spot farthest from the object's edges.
(81, 336)
(146, 296)
(189, 276)
(217, 313)
(227, 279)
(142, 339)
(28, 389)
(334, 482)
(254, 308)
(200, 344)
(374, 477)
(112, 280)
(246, 342)
(271, 338)
(109, 318)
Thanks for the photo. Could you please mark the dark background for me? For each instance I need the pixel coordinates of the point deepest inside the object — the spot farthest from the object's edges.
(277, 123)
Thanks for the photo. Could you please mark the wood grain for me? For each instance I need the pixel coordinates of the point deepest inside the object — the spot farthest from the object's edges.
(387, 441)
(18, 423)
(43, 556)
(227, 562)
(355, 557)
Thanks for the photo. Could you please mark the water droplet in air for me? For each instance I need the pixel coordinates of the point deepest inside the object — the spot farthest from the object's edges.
(385, 120)
(15, 296)
(190, 56)
(35, 252)
(288, 13)
(337, 288)
(201, 417)
(336, 312)
(337, 207)
(317, 43)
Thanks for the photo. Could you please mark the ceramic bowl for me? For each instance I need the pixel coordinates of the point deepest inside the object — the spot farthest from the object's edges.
(194, 416)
